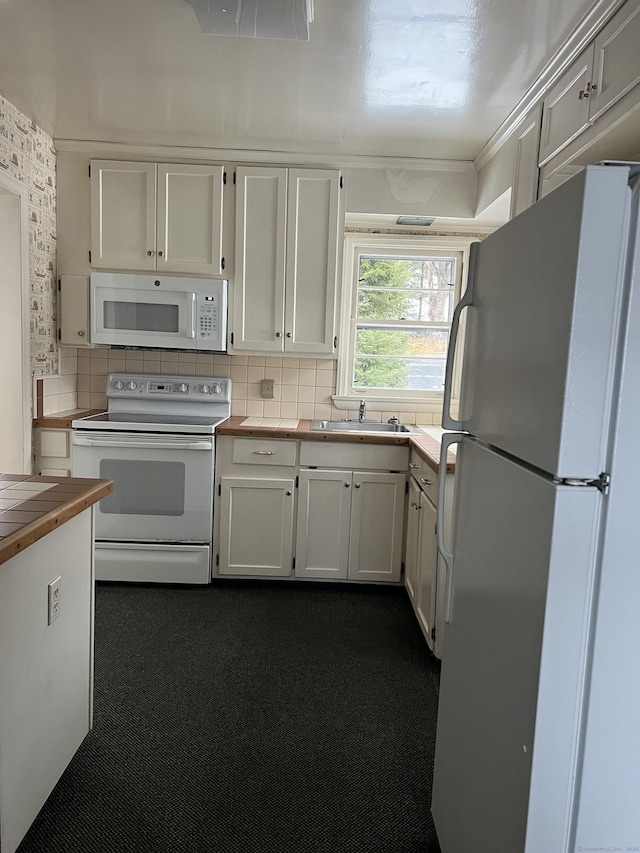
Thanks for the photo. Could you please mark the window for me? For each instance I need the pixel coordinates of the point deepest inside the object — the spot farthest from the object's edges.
(398, 313)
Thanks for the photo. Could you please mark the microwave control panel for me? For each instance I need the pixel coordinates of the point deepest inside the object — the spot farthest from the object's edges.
(210, 321)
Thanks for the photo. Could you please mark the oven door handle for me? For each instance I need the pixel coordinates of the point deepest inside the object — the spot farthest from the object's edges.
(205, 444)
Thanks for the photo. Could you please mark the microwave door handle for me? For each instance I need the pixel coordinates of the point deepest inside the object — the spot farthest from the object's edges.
(191, 333)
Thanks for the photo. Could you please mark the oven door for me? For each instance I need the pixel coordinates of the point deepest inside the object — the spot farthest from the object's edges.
(163, 485)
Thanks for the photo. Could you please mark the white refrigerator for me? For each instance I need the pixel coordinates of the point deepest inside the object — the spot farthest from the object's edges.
(538, 736)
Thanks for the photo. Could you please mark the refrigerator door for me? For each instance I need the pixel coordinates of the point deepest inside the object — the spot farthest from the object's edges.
(515, 657)
(542, 326)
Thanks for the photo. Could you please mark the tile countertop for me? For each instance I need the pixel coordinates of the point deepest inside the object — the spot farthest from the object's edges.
(62, 420)
(426, 443)
(32, 506)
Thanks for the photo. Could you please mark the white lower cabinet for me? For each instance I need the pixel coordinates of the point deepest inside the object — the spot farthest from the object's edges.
(254, 506)
(349, 525)
(424, 574)
(256, 526)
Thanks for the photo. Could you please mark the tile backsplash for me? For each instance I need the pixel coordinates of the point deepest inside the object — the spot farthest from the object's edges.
(302, 387)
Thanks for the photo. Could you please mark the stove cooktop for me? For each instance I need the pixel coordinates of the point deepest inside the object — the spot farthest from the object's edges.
(162, 404)
(143, 422)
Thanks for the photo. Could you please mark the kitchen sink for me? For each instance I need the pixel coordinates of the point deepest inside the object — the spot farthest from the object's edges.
(360, 426)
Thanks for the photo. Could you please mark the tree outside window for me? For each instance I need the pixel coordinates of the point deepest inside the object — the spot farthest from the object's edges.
(404, 307)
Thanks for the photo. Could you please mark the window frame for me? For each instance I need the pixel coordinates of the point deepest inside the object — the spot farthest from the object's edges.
(394, 246)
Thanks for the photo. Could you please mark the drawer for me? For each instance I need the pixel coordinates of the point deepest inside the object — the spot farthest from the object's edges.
(259, 451)
(428, 480)
(334, 454)
(416, 464)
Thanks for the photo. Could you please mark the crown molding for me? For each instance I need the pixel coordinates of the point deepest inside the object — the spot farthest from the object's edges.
(120, 150)
(583, 34)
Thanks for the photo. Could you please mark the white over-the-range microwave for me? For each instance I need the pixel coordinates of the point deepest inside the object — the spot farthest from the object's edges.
(158, 311)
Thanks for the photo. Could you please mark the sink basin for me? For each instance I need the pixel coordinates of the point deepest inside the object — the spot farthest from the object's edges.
(359, 426)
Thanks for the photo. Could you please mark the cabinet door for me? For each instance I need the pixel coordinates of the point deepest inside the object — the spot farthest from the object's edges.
(189, 221)
(377, 513)
(323, 516)
(616, 63)
(312, 257)
(258, 288)
(256, 526)
(427, 570)
(566, 109)
(412, 540)
(525, 184)
(73, 310)
(123, 215)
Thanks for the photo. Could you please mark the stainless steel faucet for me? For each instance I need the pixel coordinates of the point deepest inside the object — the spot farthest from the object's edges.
(362, 411)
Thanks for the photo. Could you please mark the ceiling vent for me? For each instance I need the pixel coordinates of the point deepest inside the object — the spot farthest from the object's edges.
(419, 221)
(267, 19)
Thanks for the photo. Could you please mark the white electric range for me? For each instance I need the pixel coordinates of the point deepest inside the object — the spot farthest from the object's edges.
(157, 443)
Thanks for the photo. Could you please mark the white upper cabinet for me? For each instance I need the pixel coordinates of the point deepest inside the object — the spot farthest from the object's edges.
(164, 217)
(603, 73)
(526, 171)
(616, 62)
(288, 229)
(566, 107)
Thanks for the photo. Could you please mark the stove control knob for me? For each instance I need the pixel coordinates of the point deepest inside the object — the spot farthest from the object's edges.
(206, 389)
(118, 384)
(217, 389)
(131, 386)
(183, 387)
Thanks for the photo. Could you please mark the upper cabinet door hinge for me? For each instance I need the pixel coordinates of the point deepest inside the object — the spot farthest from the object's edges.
(433, 633)
(297, 480)
(234, 177)
(89, 169)
(224, 177)
(341, 182)
(89, 255)
(59, 284)
(222, 263)
(231, 338)
(219, 489)
(335, 342)
(294, 562)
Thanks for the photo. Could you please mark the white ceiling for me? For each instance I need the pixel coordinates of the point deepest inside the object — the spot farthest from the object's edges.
(402, 78)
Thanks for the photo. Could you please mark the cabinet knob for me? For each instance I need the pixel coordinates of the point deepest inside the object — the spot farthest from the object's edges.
(161, 253)
(357, 485)
(149, 252)
(346, 485)
(288, 334)
(288, 494)
(413, 465)
(278, 334)
(81, 333)
(425, 481)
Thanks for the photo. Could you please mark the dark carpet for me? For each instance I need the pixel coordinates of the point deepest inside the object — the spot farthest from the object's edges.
(245, 717)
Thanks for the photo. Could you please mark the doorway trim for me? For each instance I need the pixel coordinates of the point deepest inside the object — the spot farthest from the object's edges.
(13, 186)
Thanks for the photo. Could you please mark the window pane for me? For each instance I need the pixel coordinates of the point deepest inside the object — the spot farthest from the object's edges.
(418, 274)
(408, 374)
(385, 304)
(391, 357)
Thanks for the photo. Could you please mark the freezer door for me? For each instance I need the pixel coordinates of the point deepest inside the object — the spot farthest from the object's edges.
(514, 657)
(542, 326)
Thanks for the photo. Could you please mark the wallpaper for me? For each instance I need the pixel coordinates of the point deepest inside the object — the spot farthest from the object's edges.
(27, 154)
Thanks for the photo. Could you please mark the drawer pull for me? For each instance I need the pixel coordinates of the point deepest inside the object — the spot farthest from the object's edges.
(264, 453)
(413, 465)
(425, 481)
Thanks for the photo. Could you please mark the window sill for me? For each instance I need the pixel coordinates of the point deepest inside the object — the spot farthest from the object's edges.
(395, 404)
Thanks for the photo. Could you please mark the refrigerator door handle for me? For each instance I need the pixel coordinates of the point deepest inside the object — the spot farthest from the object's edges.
(467, 299)
(447, 556)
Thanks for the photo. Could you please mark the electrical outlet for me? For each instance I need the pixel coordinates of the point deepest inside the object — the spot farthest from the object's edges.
(266, 389)
(54, 600)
